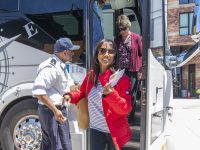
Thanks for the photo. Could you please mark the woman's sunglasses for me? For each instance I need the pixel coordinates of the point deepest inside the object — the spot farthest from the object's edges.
(103, 51)
(123, 29)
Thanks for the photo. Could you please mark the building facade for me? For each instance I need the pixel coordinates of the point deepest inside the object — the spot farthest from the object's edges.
(180, 17)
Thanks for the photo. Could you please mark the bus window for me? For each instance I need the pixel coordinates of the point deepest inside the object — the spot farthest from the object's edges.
(66, 24)
(41, 31)
(109, 20)
(60, 24)
(8, 5)
(135, 27)
(108, 23)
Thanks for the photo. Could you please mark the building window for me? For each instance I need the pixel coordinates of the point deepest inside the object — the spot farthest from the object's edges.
(185, 23)
(186, 1)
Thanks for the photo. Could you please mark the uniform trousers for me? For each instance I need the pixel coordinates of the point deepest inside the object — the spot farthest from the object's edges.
(55, 136)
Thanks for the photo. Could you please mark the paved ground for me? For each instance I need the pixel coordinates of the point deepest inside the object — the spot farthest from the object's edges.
(186, 126)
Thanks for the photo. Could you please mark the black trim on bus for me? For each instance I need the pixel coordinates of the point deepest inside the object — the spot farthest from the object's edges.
(145, 9)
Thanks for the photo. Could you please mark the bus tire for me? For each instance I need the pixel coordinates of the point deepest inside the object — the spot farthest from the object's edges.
(21, 114)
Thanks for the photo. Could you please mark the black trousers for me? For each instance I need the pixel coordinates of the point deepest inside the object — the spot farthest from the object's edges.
(135, 92)
(101, 141)
(55, 136)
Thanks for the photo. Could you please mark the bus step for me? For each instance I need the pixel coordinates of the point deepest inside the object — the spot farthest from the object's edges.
(134, 123)
(135, 133)
(131, 146)
(137, 118)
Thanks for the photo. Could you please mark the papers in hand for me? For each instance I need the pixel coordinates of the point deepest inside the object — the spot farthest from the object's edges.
(114, 78)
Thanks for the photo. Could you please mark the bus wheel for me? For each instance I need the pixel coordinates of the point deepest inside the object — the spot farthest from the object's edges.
(20, 128)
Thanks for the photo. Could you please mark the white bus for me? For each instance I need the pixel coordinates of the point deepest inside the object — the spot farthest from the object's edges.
(28, 30)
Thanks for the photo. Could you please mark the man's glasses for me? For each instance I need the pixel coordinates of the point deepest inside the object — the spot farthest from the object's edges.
(103, 51)
(123, 29)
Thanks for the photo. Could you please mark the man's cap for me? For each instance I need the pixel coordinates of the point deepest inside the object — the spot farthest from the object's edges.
(64, 44)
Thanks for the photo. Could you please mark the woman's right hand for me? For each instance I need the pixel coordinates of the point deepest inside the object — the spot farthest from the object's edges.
(66, 99)
(75, 88)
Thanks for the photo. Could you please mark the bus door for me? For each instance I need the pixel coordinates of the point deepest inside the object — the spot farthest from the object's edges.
(157, 82)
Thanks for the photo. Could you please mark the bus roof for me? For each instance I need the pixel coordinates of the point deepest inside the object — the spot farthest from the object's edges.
(40, 6)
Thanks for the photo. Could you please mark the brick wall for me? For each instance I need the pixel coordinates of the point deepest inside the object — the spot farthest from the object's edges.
(196, 60)
(174, 9)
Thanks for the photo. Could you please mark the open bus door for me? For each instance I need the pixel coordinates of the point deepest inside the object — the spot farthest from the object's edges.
(157, 83)
(157, 80)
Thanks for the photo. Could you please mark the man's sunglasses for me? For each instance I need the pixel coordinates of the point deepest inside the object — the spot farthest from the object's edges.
(103, 51)
(123, 29)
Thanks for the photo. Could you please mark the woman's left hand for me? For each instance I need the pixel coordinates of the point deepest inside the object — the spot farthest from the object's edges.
(66, 99)
(107, 89)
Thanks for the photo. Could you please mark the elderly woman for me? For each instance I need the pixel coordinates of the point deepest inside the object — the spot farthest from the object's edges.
(108, 106)
(129, 47)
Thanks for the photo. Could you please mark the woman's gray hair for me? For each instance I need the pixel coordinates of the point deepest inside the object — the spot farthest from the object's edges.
(123, 21)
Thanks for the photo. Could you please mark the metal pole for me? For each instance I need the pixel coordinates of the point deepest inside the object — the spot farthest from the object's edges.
(87, 34)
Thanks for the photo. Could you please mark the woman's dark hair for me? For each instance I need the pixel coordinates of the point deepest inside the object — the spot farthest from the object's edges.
(96, 66)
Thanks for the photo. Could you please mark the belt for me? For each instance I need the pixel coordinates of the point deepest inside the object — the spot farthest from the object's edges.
(57, 106)
(60, 107)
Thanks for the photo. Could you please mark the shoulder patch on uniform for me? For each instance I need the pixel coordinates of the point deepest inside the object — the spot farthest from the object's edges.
(53, 62)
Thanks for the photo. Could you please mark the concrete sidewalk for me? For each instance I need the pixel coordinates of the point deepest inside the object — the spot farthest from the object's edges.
(186, 124)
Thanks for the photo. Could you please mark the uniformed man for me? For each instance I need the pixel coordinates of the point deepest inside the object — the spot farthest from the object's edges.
(51, 83)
